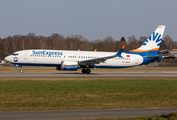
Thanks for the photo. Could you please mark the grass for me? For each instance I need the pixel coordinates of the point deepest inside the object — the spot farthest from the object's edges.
(66, 94)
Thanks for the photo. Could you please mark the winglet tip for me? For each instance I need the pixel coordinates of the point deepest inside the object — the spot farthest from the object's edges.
(123, 46)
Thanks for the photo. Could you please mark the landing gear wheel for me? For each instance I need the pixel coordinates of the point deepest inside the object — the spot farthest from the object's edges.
(83, 71)
(86, 71)
(21, 71)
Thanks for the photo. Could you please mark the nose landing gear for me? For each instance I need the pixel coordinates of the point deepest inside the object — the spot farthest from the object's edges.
(21, 71)
(86, 71)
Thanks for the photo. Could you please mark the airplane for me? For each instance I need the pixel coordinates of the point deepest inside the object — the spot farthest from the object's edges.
(73, 60)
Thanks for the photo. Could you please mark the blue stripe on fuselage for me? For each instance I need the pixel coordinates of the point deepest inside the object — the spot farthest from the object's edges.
(113, 67)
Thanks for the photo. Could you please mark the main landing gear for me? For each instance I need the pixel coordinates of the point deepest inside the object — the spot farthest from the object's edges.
(86, 71)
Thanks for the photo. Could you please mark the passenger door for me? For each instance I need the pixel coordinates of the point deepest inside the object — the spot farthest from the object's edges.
(26, 56)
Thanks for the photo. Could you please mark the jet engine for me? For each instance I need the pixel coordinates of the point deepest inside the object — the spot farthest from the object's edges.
(68, 65)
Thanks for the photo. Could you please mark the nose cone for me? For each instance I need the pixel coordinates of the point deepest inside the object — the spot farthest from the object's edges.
(8, 58)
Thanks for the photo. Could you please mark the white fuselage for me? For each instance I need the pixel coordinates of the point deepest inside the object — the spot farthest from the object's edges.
(55, 57)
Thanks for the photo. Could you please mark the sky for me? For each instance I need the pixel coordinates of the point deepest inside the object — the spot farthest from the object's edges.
(93, 19)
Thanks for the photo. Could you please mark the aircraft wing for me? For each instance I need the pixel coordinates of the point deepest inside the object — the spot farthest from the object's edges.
(102, 59)
(95, 61)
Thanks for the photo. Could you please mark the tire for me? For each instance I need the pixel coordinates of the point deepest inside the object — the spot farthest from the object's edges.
(83, 71)
(88, 71)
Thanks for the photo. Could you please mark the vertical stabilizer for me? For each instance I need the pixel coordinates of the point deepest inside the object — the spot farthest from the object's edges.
(152, 44)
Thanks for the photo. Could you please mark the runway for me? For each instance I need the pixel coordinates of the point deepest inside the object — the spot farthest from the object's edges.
(85, 114)
(92, 75)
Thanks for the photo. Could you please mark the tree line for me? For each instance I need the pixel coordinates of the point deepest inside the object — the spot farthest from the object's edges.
(10, 44)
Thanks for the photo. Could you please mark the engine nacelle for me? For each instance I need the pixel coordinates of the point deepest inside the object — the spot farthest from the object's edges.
(68, 65)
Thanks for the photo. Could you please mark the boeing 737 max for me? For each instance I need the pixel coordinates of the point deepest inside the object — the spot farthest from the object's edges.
(73, 60)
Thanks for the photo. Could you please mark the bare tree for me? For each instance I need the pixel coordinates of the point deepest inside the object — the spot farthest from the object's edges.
(169, 42)
(132, 42)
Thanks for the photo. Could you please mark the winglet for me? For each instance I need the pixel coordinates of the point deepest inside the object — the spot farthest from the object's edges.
(120, 52)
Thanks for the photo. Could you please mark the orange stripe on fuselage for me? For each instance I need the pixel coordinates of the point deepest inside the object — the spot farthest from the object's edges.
(137, 50)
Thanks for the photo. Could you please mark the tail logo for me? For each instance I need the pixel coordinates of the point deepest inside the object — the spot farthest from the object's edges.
(154, 38)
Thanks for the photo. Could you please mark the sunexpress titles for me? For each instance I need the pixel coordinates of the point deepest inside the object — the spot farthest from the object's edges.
(46, 53)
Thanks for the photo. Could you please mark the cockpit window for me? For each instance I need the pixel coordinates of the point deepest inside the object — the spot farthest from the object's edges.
(15, 54)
